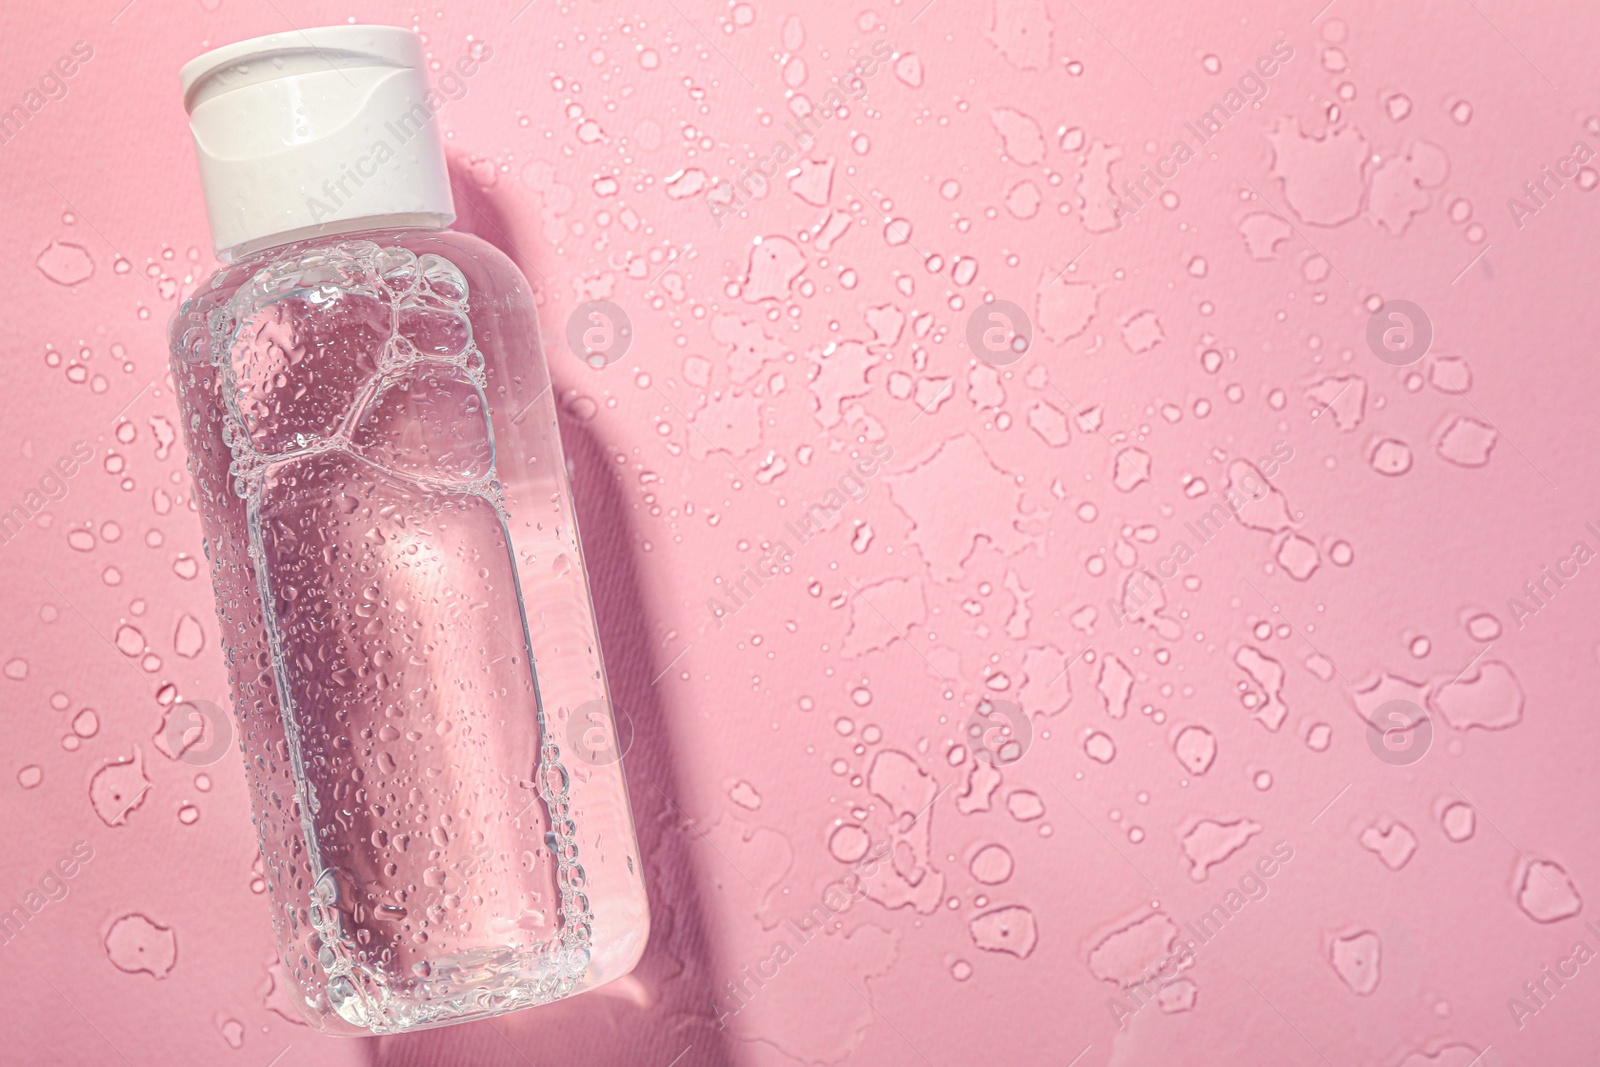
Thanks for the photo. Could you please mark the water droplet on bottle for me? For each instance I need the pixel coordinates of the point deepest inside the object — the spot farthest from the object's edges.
(346, 1000)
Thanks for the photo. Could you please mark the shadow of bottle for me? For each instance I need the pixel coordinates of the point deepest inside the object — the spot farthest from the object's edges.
(663, 1012)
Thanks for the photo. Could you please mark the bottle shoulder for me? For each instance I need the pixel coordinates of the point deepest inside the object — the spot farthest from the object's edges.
(391, 264)
(348, 257)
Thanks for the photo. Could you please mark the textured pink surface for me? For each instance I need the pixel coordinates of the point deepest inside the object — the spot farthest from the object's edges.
(1209, 751)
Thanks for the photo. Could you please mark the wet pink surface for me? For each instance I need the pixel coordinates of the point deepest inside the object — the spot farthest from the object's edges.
(1195, 849)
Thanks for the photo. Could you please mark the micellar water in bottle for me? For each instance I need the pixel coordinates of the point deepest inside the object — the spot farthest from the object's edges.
(415, 670)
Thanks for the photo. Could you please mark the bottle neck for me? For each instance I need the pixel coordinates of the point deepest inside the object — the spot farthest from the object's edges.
(407, 221)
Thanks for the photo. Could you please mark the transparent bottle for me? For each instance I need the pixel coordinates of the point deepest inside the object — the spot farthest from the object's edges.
(416, 674)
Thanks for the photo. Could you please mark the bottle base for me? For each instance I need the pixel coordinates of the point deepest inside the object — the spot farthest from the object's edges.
(466, 987)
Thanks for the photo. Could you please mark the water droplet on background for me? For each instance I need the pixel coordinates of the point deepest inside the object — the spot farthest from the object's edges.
(1355, 959)
(1546, 892)
(991, 864)
(1458, 821)
(117, 788)
(136, 945)
(65, 263)
(1009, 929)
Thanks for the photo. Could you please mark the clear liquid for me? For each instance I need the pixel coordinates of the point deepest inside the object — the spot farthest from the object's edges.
(416, 674)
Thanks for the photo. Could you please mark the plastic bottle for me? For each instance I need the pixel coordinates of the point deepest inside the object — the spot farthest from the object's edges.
(416, 675)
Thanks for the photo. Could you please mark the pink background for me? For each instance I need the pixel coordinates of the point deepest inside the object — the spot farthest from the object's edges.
(830, 316)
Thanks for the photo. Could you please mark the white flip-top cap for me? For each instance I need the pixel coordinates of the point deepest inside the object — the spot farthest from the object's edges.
(307, 132)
